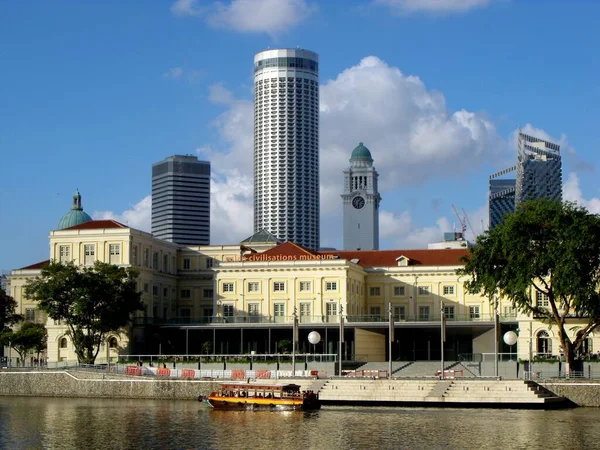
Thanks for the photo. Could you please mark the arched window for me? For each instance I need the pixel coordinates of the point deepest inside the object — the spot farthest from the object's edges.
(544, 343)
(63, 343)
(112, 342)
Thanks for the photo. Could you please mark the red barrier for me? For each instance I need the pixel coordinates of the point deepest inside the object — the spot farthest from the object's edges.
(263, 374)
(133, 370)
(449, 374)
(238, 374)
(163, 372)
(188, 373)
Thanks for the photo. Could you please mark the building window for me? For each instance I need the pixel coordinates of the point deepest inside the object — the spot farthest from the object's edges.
(113, 343)
(165, 292)
(227, 310)
(155, 291)
(375, 313)
(30, 314)
(89, 252)
(331, 286)
(63, 343)
(305, 312)
(134, 255)
(185, 294)
(399, 313)
(305, 286)
(155, 260)
(510, 311)
(114, 251)
(185, 314)
(64, 253)
(448, 290)
(541, 300)
(424, 313)
(279, 312)
(424, 290)
(146, 288)
(207, 293)
(449, 312)
(374, 291)
(279, 286)
(253, 312)
(399, 291)
(228, 287)
(544, 343)
(165, 266)
(253, 286)
(474, 312)
(209, 263)
(187, 264)
(331, 311)
(207, 312)
(146, 256)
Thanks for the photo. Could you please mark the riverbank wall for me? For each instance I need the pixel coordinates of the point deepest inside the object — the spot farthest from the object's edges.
(85, 385)
(81, 384)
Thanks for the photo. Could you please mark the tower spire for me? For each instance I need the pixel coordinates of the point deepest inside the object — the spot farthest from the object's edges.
(77, 201)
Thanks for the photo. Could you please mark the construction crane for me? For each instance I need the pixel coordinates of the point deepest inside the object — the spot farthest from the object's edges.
(464, 221)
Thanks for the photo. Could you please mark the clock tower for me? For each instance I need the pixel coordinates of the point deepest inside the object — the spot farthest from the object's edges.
(361, 202)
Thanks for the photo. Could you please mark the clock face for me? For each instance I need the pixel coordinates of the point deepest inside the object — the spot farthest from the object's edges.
(358, 202)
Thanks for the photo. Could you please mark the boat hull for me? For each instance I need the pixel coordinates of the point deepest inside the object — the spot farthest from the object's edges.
(243, 404)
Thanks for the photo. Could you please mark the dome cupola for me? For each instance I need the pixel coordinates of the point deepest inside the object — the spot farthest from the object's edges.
(76, 216)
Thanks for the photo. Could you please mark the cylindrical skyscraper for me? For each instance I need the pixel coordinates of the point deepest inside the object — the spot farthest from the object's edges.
(286, 145)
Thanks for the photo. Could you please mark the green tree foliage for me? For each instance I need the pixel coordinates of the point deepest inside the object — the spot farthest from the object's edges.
(29, 337)
(8, 315)
(284, 346)
(545, 247)
(91, 301)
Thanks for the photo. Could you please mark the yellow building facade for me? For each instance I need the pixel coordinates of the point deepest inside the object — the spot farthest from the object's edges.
(244, 297)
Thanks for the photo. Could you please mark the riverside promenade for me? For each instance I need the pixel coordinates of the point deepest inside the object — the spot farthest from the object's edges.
(424, 392)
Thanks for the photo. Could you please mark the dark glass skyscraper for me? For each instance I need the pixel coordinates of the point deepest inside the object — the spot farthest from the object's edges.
(539, 175)
(181, 200)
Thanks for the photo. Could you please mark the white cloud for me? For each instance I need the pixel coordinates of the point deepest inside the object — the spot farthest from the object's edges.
(231, 213)
(254, 16)
(432, 6)
(572, 192)
(173, 73)
(139, 216)
(187, 8)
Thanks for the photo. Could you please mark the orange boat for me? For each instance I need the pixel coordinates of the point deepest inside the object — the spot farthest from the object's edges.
(262, 397)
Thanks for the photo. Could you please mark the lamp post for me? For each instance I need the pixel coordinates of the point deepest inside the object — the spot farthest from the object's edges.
(391, 333)
(314, 338)
(496, 334)
(341, 338)
(294, 339)
(510, 339)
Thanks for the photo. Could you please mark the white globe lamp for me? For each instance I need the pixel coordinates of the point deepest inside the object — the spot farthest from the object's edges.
(314, 338)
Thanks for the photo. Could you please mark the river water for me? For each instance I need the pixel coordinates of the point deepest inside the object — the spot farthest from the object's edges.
(49, 423)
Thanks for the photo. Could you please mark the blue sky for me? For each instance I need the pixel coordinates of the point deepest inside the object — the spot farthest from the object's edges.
(93, 93)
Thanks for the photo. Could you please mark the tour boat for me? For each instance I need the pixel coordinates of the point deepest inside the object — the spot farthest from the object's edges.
(262, 397)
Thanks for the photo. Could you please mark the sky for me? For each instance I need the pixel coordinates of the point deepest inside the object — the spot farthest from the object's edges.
(93, 93)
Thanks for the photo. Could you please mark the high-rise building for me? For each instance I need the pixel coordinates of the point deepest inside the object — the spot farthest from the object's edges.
(361, 202)
(181, 200)
(286, 145)
(539, 175)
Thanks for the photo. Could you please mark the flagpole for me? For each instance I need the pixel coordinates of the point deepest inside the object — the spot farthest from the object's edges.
(294, 333)
(443, 336)
(391, 332)
(341, 338)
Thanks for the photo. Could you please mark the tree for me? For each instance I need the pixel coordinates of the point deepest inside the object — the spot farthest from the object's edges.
(544, 248)
(29, 337)
(207, 347)
(284, 345)
(91, 301)
(8, 316)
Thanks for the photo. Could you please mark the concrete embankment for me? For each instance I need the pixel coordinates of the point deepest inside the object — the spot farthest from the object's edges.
(582, 393)
(82, 384)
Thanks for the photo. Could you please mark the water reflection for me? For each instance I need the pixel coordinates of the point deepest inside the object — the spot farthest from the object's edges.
(123, 424)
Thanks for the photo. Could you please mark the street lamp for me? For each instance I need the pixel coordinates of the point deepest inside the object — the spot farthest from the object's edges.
(510, 339)
(314, 338)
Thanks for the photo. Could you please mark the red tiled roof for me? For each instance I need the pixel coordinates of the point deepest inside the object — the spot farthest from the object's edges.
(39, 265)
(366, 258)
(97, 224)
(288, 248)
(387, 258)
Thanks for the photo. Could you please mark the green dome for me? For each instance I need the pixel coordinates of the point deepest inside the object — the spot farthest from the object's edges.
(361, 153)
(72, 218)
(76, 216)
